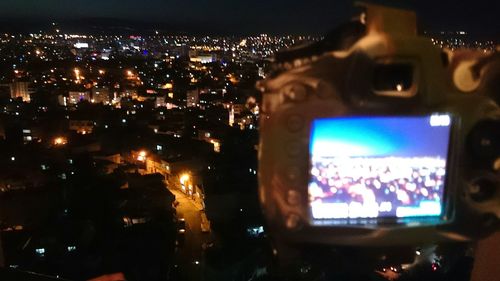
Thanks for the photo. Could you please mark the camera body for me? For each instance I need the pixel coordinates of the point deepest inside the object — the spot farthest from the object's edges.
(376, 146)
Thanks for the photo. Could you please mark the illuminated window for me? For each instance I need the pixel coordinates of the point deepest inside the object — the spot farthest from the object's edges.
(40, 252)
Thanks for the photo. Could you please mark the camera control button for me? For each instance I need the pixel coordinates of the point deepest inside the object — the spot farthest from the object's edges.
(483, 189)
(293, 148)
(295, 92)
(295, 123)
(293, 173)
(293, 221)
(293, 197)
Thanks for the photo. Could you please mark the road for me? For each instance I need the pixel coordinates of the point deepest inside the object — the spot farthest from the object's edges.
(189, 255)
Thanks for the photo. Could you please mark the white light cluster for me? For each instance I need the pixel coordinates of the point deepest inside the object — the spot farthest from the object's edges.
(440, 120)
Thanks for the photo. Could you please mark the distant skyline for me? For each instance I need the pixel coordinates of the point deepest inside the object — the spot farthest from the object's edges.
(479, 17)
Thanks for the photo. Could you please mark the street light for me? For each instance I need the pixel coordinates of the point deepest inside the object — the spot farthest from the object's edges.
(184, 178)
(60, 141)
(77, 75)
(142, 156)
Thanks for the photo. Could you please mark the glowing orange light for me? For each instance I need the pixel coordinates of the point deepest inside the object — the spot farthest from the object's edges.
(60, 141)
(167, 86)
(142, 156)
(184, 178)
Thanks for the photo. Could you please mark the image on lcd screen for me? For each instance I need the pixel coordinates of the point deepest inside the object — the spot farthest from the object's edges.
(378, 167)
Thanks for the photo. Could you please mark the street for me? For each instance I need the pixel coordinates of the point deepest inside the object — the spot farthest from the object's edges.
(189, 253)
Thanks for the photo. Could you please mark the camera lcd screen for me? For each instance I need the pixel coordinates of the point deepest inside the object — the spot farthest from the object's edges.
(378, 167)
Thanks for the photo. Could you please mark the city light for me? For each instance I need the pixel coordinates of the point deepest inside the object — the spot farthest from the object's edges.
(167, 86)
(146, 117)
(141, 156)
(40, 251)
(77, 75)
(60, 141)
(184, 178)
(216, 145)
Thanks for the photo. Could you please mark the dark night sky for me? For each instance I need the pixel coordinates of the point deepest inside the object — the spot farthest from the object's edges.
(275, 16)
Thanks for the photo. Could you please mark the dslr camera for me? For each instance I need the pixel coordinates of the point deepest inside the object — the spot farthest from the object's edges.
(383, 142)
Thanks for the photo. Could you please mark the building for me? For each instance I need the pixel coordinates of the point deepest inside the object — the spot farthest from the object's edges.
(180, 50)
(101, 95)
(27, 135)
(208, 137)
(157, 165)
(193, 98)
(231, 116)
(81, 126)
(261, 72)
(238, 108)
(109, 162)
(160, 101)
(129, 93)
(75, 97)
(62, 100)
(21, 90)
(194, 56)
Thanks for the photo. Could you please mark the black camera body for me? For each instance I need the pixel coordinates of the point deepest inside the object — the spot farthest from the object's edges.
(376, 146)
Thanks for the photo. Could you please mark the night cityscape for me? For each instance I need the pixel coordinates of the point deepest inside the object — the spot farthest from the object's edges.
(132, 154)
